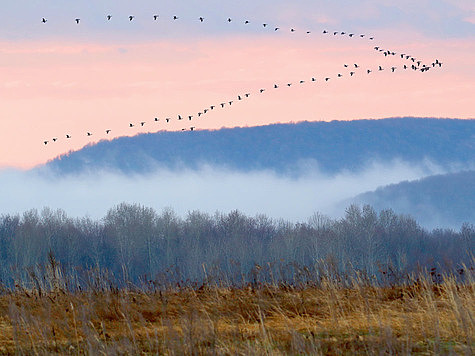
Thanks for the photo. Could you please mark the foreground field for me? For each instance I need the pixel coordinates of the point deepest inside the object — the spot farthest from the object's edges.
(422, 318)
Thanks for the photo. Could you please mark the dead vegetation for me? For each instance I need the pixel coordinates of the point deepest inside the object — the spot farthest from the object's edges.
(426, 316)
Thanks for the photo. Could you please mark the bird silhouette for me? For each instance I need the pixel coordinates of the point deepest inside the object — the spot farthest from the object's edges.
(371, 38)
(131, 125)
(289, 84)
(222, 105)
(351, 74)
(380, 68)
(205, 111)
(302, 81)
(89, 134)
(212, 107)
(356, 65)
(247, 95)
(325, 31)
(369, 71)
(155, 17)
(339, 75)
(264, 25)
(190, 117)
(68, 136)
(335, 33)
(229, 19)
(175, 17)
(108, 132)
(342, 33)
(44, 20)
(77, 21)
(393, 69)
(231, 102)
(45, 142)
(142, 123)
(345, 65)
(179, 117)
(246, 22)
(239, 97)
(192, 128)
(109, 17)
(167, 119)
(327, 79)
(277, 28)
(55, 139)
(313, 79)
(131, 17)
(362, 36)
(199, 114)
(292, 30)
(261, 90)
(275, 86)
(201, 19)
(351, 34)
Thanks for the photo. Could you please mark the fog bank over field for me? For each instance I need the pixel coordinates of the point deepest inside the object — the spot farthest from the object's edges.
(208, 189)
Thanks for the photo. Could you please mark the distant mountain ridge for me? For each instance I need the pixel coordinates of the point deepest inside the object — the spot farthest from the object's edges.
(439, 200)
(335, 146)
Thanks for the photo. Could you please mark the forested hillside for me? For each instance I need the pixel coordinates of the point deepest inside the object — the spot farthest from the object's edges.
(441, 200)
(333, 146)
(133, 241)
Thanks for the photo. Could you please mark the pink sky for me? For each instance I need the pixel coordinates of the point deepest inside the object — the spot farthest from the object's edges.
(50, 88)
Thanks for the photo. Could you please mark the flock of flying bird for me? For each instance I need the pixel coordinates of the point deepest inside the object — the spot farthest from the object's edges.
(411, 63)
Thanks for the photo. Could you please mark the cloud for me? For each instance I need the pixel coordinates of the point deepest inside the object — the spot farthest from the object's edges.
(208, 189)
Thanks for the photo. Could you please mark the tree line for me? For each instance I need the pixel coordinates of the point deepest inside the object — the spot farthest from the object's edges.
(135, 242)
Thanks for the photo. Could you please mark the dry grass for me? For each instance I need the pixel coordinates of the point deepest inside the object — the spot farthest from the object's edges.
(421, 318)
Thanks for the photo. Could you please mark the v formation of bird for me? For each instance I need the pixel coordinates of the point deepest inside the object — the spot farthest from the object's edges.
(412, 63)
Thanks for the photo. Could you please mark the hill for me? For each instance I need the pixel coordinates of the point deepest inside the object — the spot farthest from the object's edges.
(441, 200)
(333, 146)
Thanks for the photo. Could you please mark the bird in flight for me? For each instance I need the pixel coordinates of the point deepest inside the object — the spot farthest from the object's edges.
(179, 117)
(192, 128)
(89, 134)
(351, 74)
(44, 20)
(167, 119)
(131, 125)
(275, 86)
(45, 142)
(229, 19)
(261, 90)
(55, 139)
(109, 17)
(156, 119)
(175, 17)
(190, 117)
(142, 123)
(369, 71)
(68, 136)
(77, 21)
(155, 17)
(202, 19)
(327, 79)
(246, 22)
(108, 132)
(264, 24)
(393, 69)
(131, 17)
(325, 31)
(380, 68)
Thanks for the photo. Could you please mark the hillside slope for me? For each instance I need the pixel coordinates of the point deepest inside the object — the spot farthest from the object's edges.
(441, 200)
(333, 146)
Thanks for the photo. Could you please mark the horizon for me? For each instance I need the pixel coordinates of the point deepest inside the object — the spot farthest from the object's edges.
(61, 78)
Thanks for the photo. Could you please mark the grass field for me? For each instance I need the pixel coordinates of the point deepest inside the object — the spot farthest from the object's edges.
(422, 317)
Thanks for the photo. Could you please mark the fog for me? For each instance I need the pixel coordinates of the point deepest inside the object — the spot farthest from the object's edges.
(208, 189)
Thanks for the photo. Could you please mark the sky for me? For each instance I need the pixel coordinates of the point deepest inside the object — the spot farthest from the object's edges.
(59, 77)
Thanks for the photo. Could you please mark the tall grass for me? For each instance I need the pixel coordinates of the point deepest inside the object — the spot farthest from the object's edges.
(322, 311)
